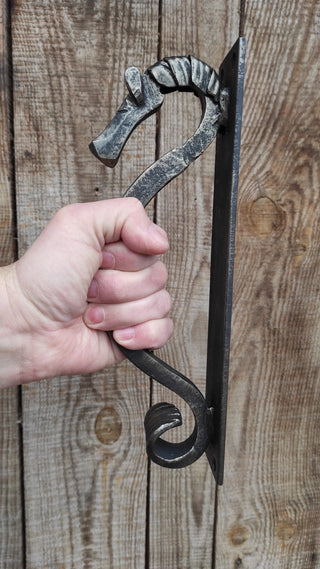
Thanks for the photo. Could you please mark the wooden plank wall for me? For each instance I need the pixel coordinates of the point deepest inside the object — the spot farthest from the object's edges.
(93, 503)
(11, 541)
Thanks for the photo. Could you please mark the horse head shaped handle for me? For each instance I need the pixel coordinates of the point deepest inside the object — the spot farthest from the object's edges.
(146, 95)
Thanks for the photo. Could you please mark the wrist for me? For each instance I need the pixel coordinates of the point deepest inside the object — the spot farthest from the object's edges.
(15, 365)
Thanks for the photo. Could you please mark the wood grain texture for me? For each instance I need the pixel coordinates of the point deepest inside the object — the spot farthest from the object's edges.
(182, 502)
(6, 213)
(86, 477)
(268, 508)
(11, 550)
(11, 536)
(85, 493)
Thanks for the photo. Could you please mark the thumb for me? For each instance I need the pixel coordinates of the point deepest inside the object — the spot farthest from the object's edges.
(140, 234)
(118, 219)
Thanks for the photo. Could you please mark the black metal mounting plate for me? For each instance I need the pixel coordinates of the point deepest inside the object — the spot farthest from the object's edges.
(222, 255)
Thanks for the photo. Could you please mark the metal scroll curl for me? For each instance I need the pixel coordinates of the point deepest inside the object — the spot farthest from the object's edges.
(146, 95)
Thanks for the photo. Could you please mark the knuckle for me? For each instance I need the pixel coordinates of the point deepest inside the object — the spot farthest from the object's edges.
(168, 301)
(159, 274)
(164, 303)
(133, 205)
(70, 210)
(66, 213)
(161, 332)
(115, 287)
(61, 215)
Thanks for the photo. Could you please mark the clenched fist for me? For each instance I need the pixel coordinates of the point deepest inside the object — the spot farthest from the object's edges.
(93, 269)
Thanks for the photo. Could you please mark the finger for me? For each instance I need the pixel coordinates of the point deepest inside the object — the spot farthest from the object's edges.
(115, 316)
(114, 287)
(118, 256)
(148, 335)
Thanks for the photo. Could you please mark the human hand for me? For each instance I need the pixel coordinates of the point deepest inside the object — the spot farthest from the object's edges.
(93, 269)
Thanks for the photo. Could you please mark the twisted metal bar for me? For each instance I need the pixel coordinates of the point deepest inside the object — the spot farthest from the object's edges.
(146, 94)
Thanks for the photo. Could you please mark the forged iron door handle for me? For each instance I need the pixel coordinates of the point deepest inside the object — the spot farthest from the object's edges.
(146, 95)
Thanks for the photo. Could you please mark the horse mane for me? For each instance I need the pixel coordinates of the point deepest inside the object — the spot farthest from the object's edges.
(186, 72)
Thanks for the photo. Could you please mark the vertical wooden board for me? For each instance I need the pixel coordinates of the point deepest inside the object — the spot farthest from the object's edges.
(182, 502)
(11, 542)
(11, 537)
(6, 200)
(268, 508)
(85, 494)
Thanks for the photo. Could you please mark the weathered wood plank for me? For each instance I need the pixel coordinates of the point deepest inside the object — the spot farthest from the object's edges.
(85, 493)
(11, 541)
(6, 214)
(11, 536)
(182, 502)
(268, 509)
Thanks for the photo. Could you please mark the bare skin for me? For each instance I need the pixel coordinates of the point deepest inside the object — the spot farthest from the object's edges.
(93, 269)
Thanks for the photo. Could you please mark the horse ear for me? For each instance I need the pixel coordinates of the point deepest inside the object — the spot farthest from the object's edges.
(133, 81)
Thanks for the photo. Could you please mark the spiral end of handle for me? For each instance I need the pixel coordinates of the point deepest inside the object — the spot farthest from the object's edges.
(159, 419)
(164, 416)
